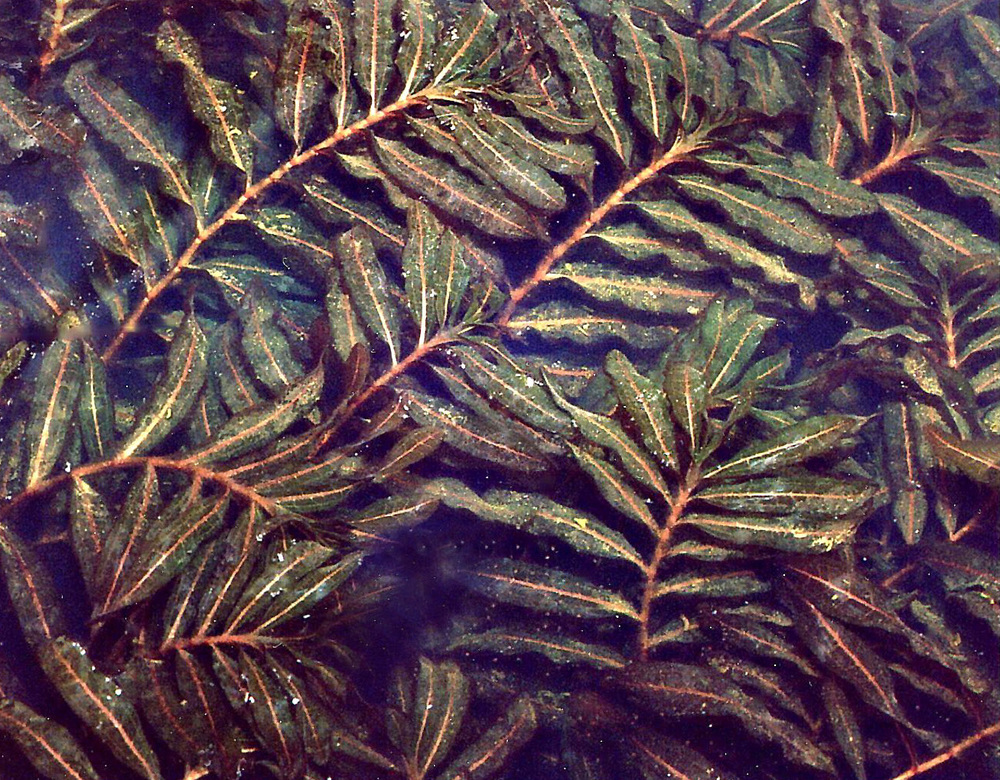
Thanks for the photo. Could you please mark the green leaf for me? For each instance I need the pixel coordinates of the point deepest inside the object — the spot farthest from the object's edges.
(569, 159)
(792, 445)
(216, 103)
(25, 124)
(412, 448)
(420, 260)
(299, 81)
(99, 702)
(265, 344)
(174, 393)
(811, 495)
(454, 192)
(465, 49)
(643, 293)
(439, 707)
(978, 458)
(520, 394)
(797, 176)
(168, 544)
(791, 533)
(485, 757)
(548, 590)
(373, 44)
(558, 649)
(646, 406)
(369, 288)
(674, 218)
(122, 122)
(90, 523)
(259, 425)
(520, 177)
(615, 488)
(779, 221)
(593, 92)
(419, 21)
(95, 407)
(49, 746)
(31, 590)
(684, 387)
(56, 388)
(271, 713)
(846, 730)
(645, 70)
(468, 435)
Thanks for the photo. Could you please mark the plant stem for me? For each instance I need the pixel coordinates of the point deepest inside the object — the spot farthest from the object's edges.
(953, 752)
(652, 569)
(681, 150)
(252, 192)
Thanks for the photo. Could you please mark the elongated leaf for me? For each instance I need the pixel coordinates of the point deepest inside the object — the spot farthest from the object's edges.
(90, 523)
(167, 547)
(259, 425)
(565, 158)
(664, 757)
(25, 125)
(52, 750)
(548, 590)
(99, 702)
(978, 458)
(299, 82)
(777, 220)
(806, 496)
(454, 192)
(645, 404)
(468, 435)
(125, 124)
(216, 103)
(851, 658)
(271, 711)
(593, 92)
(645, 70)
(682, 689)
(614, 486)
(792, 445)
(419, 20)
(676, 219)
(265, 344)
(374, 39)
(173, 394)
(790, 533)
(439, 706)
(519, 392)
(808, 180)
(939, 237)
(636, 291)
(369, 288)
(491, 752)
(858, 103)
(756, 638)
(32, 591)
(95, 407)
(56, 390)
(520, 177)
(421, 256)
(684, 387)
(558, 649)
(468, 48)
(845, 727)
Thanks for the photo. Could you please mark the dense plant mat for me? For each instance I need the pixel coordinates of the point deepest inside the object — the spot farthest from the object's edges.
(499, 389)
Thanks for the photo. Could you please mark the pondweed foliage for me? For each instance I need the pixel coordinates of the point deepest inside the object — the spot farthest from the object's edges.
(499, 389)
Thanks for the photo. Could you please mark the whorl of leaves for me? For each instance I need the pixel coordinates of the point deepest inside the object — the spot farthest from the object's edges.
(646, 348)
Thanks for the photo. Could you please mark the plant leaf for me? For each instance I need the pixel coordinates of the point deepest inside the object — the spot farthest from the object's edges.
(174, 393)
(52, 750)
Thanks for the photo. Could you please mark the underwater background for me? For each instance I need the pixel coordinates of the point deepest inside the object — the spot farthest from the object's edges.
(499, 389)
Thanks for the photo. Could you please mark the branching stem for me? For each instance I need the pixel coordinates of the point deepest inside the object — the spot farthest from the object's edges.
(953, 752)
(682, 149)
(251, 193)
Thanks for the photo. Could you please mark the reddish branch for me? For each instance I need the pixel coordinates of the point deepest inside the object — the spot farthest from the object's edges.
(953, 752)
(682, 149)
(253, 192)
(652, 568)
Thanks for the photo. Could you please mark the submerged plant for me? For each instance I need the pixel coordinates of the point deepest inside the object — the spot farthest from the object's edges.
(318, 314)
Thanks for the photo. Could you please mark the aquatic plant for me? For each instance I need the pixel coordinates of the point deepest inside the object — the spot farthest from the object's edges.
(499, 389)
